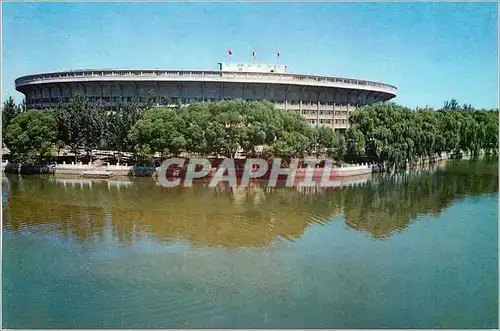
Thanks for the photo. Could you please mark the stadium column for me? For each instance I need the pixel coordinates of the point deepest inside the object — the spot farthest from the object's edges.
(40, 92)
(244, 89)
(286, 96)
(33, 92)
(84, 90)
(301, 97)
(60, 93)
(203, 85)
(369, 98)
(136, 90)
(348, 108)
(50, 93)
(347, 103)
(70, 90)
(158, 97)
(326, 99)
(333, 112)
(181, 93)
(120, 90)
(101, 89)
(317, 107)
(221, 91)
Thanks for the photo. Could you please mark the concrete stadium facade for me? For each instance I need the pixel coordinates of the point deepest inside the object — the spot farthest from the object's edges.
(321, 100)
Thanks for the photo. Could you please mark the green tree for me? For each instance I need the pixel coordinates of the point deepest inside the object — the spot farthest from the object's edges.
(31, 136)
(9, 111)
(80, 125)
(355, 149)
(117, 124)
(161, 129)
(339, 147)
(197, 118)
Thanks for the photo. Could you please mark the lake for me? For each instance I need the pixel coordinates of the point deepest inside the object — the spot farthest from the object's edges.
(413, 250)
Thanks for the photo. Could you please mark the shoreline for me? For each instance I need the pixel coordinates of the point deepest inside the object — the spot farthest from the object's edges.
(94, 171)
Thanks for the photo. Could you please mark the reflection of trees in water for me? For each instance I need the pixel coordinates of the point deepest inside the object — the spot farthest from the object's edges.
(390, 204)
(245, 217)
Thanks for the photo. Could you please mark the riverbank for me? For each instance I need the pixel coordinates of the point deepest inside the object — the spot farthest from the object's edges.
(88, 170)
(97, 170)
(119, 171)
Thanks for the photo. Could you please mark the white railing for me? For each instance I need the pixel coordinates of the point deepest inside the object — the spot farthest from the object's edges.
(73, 166)
(200, 74)
(354, 167)
(119, 167)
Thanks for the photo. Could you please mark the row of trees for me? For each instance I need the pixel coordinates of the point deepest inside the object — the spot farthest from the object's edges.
(223, 128)
(398, 135)
(203, 129)
(379, 133)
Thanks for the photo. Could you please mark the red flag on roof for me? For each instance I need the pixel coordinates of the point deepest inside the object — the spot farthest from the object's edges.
(229, 52)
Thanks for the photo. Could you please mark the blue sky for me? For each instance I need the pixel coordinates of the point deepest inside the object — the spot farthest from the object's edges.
(431, 51)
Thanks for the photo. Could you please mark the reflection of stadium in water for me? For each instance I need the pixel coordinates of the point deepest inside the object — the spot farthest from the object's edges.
(245, 217)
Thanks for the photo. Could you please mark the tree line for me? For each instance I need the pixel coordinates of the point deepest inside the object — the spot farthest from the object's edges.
(397, 135)
(379, 133)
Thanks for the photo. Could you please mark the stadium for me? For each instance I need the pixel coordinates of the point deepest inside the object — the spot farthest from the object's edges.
(319, 99)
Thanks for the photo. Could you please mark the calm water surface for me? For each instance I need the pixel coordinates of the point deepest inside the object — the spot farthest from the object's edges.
(415, 250)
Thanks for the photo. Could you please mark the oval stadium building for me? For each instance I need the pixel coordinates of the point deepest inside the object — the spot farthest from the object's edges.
(319, 99)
